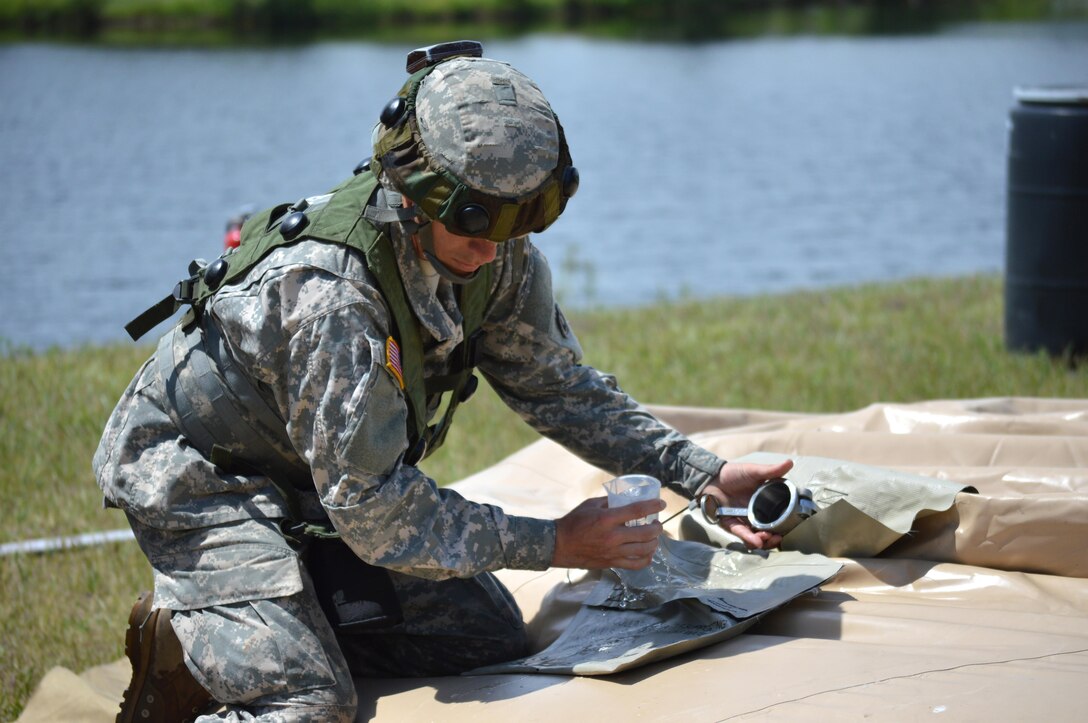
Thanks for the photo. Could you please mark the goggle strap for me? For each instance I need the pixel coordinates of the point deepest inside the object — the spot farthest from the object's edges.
(552, 203)
(508, 216)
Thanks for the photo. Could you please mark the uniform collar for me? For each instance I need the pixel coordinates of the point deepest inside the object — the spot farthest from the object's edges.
(430, 295)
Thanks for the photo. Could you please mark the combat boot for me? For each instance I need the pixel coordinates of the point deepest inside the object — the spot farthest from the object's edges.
(162, 688)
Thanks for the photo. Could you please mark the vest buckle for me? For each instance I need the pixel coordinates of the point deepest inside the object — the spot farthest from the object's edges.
(416, 453)
(183, 290)
(470, 388)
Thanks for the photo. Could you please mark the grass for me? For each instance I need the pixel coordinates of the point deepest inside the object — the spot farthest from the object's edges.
(211, 22)
(819, 351)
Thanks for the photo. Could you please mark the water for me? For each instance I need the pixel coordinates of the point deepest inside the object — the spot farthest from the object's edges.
(723, 168)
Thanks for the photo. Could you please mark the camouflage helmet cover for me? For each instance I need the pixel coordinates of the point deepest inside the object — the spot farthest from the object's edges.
(474, 143)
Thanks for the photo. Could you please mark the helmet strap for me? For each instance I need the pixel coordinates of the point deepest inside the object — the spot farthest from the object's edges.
(389, 208)
(426, 242)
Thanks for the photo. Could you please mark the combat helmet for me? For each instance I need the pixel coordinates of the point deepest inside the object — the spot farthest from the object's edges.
(475, 145)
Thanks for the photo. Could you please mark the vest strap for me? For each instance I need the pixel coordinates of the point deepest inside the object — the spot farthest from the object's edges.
(382, 216)
(152, 317)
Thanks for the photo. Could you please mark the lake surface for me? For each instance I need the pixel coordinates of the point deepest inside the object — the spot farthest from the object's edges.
(724, 168)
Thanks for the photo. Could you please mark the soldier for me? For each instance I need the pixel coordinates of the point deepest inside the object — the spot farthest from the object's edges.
(266, 454)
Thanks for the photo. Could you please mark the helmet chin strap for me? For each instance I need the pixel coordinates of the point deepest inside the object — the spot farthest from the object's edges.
(426, 242)
(389, 209)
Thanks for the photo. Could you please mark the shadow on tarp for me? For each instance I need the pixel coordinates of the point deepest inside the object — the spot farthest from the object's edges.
(450, 689)
(505, 686)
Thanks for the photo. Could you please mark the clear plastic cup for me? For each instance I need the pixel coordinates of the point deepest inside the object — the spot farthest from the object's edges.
(632, 488)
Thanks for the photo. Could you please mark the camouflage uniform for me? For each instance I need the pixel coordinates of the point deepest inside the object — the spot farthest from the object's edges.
(309, 327)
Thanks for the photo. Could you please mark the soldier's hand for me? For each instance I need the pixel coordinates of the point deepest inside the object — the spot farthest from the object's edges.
(593, 537)
(734, 488)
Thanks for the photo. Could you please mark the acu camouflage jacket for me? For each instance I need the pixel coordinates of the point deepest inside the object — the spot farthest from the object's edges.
(309, 327)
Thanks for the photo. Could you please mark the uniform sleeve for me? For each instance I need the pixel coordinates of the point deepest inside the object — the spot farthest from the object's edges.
(347, 417)
(531, 358)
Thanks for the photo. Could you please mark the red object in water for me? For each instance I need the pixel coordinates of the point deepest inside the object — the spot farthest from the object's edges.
(233, 237)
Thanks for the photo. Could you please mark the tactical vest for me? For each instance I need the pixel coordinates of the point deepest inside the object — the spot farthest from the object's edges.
(199, 371)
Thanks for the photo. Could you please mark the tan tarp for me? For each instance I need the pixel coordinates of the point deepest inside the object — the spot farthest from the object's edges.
(979, 613)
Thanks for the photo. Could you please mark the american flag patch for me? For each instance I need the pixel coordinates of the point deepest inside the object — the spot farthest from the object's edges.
(392, 360)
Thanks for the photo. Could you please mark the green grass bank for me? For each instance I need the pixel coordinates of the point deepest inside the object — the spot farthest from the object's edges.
(228, 21)
(818, 351)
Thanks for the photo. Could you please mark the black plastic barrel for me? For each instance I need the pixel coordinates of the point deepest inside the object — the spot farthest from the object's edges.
(1046, 250)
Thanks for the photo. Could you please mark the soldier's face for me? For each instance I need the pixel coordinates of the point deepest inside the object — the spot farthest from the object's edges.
(461, 254)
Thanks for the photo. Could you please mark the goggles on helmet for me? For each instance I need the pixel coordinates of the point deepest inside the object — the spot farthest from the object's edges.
(443, 196)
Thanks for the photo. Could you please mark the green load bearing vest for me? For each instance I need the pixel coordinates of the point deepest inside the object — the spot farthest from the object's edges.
(348, 216)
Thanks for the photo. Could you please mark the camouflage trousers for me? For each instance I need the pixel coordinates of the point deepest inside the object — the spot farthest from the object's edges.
(279, 659)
